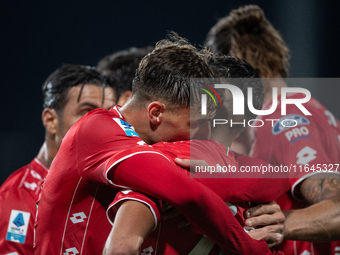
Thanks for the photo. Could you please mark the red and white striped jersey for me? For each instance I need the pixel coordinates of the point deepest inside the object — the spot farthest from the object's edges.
(71, 216)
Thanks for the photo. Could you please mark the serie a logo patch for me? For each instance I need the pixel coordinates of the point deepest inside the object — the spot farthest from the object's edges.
(17, 226)
(128, 129)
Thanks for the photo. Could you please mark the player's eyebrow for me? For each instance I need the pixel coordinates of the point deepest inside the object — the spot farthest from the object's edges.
(89, 104)
(103, 85)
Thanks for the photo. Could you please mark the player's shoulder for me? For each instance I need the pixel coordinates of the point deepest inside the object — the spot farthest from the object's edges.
(297, 123)
(103, 112)
(100, 120)
(13, 181)
(180, 149)
(313, 106)
(101, 129)
(27, 179)
(280, 122)
(179, 145)
(99, 115)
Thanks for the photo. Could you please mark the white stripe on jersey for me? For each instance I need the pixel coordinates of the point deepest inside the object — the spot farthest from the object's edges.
(68, 214)
(88, 220)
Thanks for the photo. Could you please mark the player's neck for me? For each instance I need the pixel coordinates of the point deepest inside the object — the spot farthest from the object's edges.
(47, 152)
(135, 118)
(219, 135)
(269, 84)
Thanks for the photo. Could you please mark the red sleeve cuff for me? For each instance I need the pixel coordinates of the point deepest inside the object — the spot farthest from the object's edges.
(153, 204)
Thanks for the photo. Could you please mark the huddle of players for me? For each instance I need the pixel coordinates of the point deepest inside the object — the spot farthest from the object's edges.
(189, 50)
(81, 205)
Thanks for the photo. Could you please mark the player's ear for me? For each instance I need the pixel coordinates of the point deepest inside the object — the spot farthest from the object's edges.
(123, 98)
(155, 112)
(50, 120)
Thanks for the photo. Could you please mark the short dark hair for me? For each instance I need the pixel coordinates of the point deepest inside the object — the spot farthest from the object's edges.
(247, 34)
(165, 73)
(57, 85)
(122, 65)
(240, 74)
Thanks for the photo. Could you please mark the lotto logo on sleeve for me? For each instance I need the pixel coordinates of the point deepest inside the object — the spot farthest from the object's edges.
(17, 226)
(128, 129)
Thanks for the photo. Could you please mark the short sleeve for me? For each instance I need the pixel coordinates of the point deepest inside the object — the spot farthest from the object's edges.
(124, 195)
(102, 141)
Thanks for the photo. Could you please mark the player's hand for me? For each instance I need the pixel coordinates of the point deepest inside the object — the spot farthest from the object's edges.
(169, 212)
(268, 220)
(190, 163)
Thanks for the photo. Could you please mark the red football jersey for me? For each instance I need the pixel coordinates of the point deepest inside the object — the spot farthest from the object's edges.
(168, 239)
(311, 144)
(128, 194)
(101, 148)
(71, 216)
(239, 189)
(18, 196)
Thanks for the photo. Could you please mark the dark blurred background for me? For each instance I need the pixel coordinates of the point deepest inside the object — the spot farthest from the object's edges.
(38, 36)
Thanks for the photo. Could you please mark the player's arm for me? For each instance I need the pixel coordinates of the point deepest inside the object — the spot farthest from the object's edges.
(320, 191)
(132, 224)
(109, 157)
(18, 204)
(240, 189)
(156, 176)
(8, 210)
(272, 220)
(321, 220)
(313, 223)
